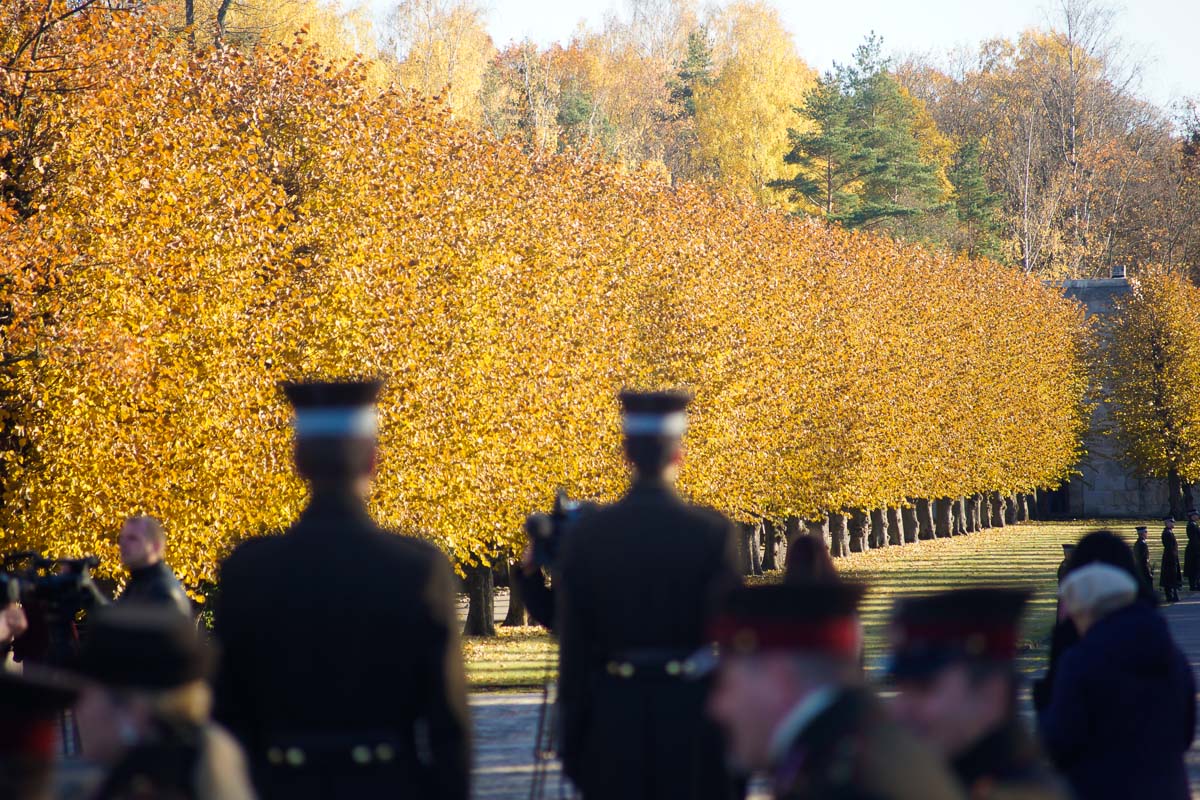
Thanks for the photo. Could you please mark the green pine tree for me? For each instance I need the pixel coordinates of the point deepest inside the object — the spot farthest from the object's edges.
(976, 205)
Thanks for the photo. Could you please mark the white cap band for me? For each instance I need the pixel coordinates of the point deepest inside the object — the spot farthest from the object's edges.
(361, 421)
(673, 424)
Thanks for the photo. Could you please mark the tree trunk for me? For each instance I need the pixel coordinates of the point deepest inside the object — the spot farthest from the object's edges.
(516, 617)
(1189, 502)
(860, 531)
(895, 527)
(1032, 505)
(1010, 510)
(1175, 493)
(943, 522)
(958, 514)
(755, 545)
(912, 528)
(983, 511)
(839, 538)
(481, 609)
(996, 507)
(879, 528)
(821, 529)
(770, 545)
(925, 520)
(971, 511)
(1022, 507)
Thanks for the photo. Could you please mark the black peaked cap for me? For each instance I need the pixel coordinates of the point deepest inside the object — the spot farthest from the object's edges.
(143, 647)
(813, 601)
(661, 402)
(339, 394)
(38, 693)
(932, 631)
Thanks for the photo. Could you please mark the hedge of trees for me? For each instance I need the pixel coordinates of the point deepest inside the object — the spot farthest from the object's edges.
(185, 225)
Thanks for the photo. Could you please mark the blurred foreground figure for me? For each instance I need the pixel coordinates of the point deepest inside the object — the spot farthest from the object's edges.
(341, 670)
(789, 694)
(637, 587)
(1122, 711)
(143, 710)
(956, 680)
(29, 725)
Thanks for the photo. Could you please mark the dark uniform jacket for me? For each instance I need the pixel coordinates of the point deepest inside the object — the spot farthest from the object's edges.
(854, 751)
(638, 582)
(1191, 553)
(1172, 575)
(157, 585)
(1123, 710)
(1006, 765)
(341, 671)
(1141, 555)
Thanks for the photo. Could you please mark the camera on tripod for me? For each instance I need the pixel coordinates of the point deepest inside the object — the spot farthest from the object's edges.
(548, 531)
(54, 591)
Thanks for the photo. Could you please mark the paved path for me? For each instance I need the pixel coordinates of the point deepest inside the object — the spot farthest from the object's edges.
(505, 725)
(1184, 618)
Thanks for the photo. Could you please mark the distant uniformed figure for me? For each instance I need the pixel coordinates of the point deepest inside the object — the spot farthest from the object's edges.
(953, 665)
(789, 693)
(1171, 577)
(341, 671)
(1141, 556)
(1191, 552)
(637, 584)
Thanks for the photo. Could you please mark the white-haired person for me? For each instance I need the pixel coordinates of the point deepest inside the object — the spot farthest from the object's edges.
(1122, 712)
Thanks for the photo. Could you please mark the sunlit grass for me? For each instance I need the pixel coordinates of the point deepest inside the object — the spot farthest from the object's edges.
(1025, 555)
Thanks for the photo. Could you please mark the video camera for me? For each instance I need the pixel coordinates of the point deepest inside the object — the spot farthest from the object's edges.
(54, 591)
(547, 531)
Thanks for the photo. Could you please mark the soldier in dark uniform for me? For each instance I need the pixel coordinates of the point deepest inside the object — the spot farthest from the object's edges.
(790, 696)
(1191, 552)
(1171, 577)
(956, 680)
(1141, 556)
(341, 671)
(636, 589)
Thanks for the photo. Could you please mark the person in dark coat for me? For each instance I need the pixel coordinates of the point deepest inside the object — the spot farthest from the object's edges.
(636, 588)
(808, 559)
(790, 696)
(1123, 710)
(1097, 547)
(1191, 552)
(142, 543)
(341, 670)
(953, 666)
(1141, 555)
(1171, 576)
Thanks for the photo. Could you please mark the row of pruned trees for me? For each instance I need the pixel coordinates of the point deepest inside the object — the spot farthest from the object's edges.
(197, 222)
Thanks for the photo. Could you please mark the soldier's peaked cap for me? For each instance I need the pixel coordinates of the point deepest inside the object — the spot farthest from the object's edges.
(933, 631)
(818, 617)
(340, 408)
(143, 647)
(660, 413)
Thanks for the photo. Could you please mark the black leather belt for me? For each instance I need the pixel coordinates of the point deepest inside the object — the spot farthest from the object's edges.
(335, 751)
(651, 664)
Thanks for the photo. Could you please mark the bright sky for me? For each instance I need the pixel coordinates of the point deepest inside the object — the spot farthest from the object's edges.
(1158, 31)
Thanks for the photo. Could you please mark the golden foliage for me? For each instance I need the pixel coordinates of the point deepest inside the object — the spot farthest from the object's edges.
(220, 220)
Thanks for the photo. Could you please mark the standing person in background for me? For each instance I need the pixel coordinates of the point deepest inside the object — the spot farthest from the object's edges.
(808, 559)
(954, 667)
(1191, 552)
(341, 670)
(633, 724)
(143, 543)
(1122, 713)
(1171, 576)
(1141, 555)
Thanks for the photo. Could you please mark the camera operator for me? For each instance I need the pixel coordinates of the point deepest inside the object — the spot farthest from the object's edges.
(151, 581)
(538, 597)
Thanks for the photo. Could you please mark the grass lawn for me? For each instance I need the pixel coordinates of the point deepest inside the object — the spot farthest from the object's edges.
(1025, 555)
